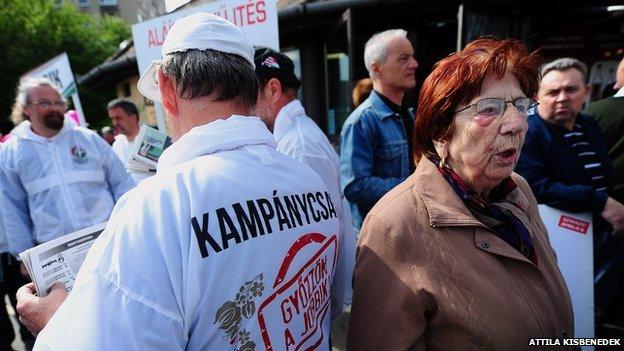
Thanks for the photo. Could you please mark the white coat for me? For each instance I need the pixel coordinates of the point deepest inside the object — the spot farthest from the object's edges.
(298, 136)
(54, 186)
(230, 246)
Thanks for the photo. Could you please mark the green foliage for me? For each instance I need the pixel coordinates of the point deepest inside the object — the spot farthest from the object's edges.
(34, 31)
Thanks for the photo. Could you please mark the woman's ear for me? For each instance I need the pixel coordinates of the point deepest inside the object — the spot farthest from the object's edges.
(441, 147)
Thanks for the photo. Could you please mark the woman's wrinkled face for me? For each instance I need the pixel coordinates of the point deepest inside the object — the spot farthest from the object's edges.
(484, 149)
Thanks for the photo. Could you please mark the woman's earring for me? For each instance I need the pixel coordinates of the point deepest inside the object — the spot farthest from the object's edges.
(443, 161)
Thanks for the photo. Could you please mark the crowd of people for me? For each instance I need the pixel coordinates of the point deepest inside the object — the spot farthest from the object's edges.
(245, 239)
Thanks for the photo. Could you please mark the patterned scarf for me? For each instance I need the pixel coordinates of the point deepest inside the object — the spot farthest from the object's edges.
(509, 227)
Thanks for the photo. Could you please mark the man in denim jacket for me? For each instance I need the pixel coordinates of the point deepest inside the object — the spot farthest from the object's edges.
(376, 142)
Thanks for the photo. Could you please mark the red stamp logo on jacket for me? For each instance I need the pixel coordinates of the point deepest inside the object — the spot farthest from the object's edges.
(573, 224)
(300, 300)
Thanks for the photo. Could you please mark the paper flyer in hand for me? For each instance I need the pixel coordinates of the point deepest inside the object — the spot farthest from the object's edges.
(150, 144)
(59, 260)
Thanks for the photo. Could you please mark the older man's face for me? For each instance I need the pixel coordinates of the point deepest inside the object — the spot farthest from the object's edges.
(45, 108)
(561, 96)
(399, 69)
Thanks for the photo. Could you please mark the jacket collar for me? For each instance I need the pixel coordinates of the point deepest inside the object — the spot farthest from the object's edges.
(382, 110)
(285, 119)
(24, 131)
(444, 206)
(223, 134)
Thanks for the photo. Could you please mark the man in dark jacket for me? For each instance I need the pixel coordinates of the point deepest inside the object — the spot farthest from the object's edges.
(565, 161)
(609, 113)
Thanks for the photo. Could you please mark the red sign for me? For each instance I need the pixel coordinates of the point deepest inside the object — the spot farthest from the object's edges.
(573, 224)
(299, 304)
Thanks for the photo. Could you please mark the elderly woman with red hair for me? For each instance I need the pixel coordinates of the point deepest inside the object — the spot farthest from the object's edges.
(457, 257)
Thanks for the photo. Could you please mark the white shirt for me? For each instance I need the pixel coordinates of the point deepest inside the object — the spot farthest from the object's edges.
(298, 136)
(54, 186)
(123, 149)
(179, 268)
(619, 92)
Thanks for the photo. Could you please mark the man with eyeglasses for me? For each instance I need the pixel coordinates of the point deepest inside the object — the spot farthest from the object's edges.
(565, 161)
(55, 177)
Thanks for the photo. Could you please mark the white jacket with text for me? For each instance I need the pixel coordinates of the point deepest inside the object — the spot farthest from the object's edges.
(231, 246)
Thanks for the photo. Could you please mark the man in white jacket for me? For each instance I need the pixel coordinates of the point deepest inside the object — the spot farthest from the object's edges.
(299, 137)
(55, 177)
(230, 246)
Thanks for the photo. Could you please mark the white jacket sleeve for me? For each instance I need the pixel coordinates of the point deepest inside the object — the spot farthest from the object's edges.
(102, 316)
(341, 290)
(117, 176)
(18, 226)
(127, 295)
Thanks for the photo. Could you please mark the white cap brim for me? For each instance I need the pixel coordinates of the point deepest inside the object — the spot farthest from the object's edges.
(148, 85)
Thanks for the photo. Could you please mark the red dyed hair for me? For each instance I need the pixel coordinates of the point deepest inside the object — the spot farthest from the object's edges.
(457, 79)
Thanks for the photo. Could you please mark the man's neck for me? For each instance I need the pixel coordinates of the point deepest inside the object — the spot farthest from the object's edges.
(393, 94)
(133, 135)
(569, 124)
(198, 113)
(43, 131)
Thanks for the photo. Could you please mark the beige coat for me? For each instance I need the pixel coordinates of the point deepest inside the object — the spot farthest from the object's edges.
(430, 276)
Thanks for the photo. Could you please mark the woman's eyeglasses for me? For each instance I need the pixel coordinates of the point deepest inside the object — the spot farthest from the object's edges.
(495, 107)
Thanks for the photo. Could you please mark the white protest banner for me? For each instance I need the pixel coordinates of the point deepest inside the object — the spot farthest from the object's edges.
(59, 72)
(257, 18)
(171, 5)
(571, 236)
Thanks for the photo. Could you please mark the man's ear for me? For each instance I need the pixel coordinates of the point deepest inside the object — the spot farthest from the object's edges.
(168, 94)
(27, 112)
(275, 90)
(588, 89)
(374, 70)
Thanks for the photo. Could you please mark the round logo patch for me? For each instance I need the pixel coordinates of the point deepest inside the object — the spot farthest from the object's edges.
(79, 154)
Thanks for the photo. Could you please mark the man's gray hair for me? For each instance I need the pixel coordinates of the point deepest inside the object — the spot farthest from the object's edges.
(212, 73)
(376, 48)
(564, 64)
(22, 97)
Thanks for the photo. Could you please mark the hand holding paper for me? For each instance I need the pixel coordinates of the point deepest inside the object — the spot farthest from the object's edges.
(34, 311)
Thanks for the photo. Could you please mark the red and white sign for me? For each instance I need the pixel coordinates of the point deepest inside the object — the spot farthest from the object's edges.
(257, 18)
(573, 224)
(300, 300)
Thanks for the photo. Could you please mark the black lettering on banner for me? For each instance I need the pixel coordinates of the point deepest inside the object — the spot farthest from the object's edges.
(330, 205)
(319, 200)
(227, 233)
(293, 211)
(282, 218)
(203, 236)
(304, 206)
(267, 213)
(249, 224)
(315, 213)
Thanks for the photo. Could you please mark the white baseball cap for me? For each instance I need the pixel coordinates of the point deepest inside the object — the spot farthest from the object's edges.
(201, 31)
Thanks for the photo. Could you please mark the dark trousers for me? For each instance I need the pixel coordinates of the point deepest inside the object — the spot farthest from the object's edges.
(6, 329)
(12, 281)
(608, 270)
